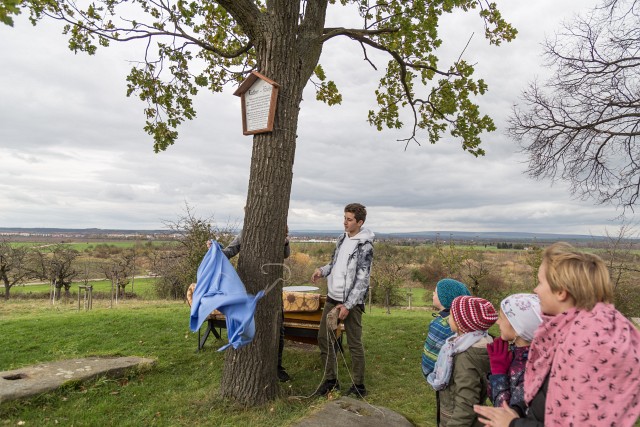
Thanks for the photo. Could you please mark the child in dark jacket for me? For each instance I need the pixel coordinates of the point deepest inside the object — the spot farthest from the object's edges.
(438, 332)
(518, 319)
(460, 373)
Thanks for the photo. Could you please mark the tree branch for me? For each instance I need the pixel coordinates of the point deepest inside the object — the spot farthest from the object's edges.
(245, 13)
(331, 32)
(314, 17)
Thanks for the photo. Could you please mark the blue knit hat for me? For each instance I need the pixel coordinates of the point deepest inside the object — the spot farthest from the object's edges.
(448, 290)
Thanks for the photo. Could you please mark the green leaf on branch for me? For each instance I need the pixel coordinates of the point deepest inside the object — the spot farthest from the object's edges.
(8, 8)
(225, 37)
(319, 73)
(327, 92)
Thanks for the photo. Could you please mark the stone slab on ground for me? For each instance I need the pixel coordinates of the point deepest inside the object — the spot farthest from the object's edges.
(36, 379)
(353, 413)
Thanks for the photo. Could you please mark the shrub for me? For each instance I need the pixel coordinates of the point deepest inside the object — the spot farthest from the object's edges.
(177, 266)
(300, 268)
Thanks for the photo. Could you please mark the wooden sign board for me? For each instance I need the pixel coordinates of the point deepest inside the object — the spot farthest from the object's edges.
(258, 95)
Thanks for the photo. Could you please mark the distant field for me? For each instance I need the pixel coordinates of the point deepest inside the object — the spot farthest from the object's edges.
(81, 246)
(143, 288)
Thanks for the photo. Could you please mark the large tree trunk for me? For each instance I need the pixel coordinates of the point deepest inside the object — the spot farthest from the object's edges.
(249, 375)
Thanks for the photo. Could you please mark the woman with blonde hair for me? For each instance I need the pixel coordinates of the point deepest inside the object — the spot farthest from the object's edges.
(584, 361)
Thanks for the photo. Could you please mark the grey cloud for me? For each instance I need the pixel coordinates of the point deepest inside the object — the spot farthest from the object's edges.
(73, 151)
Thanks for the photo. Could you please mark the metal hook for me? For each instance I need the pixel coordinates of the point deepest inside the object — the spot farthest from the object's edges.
(281, 279)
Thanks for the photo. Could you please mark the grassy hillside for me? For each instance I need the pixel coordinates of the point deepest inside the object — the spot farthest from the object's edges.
(182, 389)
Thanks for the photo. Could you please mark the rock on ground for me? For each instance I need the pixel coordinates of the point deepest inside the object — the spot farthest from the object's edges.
(36, 379)
(352, 412)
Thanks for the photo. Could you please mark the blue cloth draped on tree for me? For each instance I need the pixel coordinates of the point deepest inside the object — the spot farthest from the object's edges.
(219, 288)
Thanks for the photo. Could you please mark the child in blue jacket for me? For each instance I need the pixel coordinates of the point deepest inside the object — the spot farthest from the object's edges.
(439, 330)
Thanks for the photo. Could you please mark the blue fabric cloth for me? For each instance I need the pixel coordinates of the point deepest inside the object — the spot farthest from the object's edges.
(219, 288)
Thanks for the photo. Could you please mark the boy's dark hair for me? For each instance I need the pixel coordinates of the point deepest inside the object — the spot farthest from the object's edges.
(358, 211)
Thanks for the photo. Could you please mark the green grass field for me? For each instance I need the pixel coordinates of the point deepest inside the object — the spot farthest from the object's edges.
(182, 389)
(142, 287)
(417, 297)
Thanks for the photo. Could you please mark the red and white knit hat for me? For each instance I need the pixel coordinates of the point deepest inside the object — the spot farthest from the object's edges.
(473, 313)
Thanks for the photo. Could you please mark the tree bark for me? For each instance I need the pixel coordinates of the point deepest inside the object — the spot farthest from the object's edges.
(249, 375)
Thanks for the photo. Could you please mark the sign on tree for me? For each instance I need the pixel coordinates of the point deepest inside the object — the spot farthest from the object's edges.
(258, 96)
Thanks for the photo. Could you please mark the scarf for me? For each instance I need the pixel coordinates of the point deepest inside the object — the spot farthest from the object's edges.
(439, 378)
(592, 359)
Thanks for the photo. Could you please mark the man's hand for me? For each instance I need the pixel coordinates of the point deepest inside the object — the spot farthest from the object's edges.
(316, 275)
(209, 244)
(344, 311)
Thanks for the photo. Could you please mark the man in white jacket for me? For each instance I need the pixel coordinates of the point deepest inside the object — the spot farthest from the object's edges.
(348, 284)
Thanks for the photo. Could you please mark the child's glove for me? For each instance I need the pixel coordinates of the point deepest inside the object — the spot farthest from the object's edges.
(499, 356)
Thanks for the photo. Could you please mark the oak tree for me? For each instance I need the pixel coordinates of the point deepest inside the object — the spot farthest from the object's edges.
(195, 45)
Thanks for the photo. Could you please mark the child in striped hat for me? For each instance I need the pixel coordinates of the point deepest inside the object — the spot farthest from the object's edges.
(463, 363)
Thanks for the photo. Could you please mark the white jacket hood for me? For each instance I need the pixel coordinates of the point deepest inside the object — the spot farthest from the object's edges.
(364, 235)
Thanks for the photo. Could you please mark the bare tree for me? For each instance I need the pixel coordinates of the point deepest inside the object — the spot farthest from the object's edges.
(451, 257)
(618, 254)
(177, 267)
(477, 270)
(119, 271)
(300, 268)
(13, 265)
(57, 267)
(169, 266)
(388, 273)
(583, 123)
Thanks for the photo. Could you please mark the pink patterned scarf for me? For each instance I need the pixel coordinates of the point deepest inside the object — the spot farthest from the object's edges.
(592, 359)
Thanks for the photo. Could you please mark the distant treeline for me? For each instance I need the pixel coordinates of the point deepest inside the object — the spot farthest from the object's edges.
(505, 245)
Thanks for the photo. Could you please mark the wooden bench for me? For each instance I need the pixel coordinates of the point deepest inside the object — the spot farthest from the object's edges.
(299, 326)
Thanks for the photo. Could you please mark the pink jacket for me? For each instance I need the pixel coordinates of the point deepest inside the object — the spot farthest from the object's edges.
(592, 359)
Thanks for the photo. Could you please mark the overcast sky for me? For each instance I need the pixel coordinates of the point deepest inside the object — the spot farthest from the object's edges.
(73, 152)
